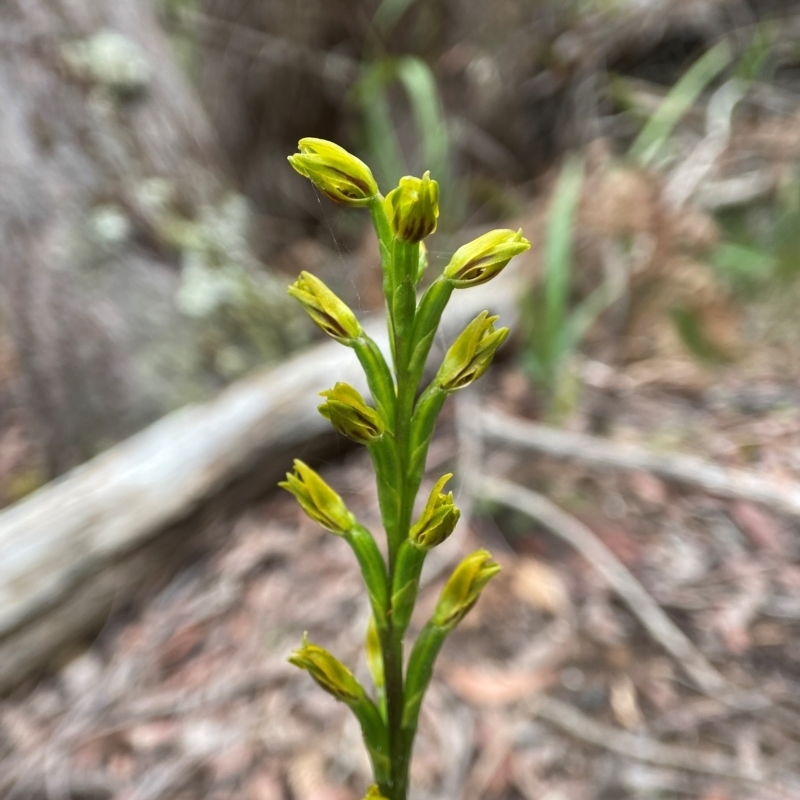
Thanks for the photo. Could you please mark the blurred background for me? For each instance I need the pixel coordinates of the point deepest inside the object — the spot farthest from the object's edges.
(644, 640)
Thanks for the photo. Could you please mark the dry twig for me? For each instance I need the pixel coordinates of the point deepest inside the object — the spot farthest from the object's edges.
(649, 613)
(636, 746)
(690, 470)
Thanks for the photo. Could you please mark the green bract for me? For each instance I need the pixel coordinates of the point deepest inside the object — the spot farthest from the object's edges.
(350, 415)
(470, 355)
(317, 499)
(413, 208)
(397, 433)
(325, 308)
(480, 260)
(338, 174)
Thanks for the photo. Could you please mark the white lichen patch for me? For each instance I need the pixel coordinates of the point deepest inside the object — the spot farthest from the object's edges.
(204, 289)
(108, 59)
(243, 309)
(109, 226)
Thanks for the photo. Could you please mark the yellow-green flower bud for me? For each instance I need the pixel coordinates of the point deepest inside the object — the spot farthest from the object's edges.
(413, 208)
(374, 793)
(338, 174)
(317, 499)
(471, 353)
(327, 671)
(350, 415)
(325, 308)
(480, 260)
(438, 519)
(463, 588)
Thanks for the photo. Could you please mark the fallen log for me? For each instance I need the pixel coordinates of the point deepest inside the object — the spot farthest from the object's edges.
(125, 520)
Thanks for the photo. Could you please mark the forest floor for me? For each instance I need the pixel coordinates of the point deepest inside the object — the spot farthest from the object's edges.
(551, 689)
(666, 664)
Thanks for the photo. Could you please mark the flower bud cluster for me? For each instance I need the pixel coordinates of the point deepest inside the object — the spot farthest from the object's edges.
(339, 175)
(471, 353)
(327, 671)
(438, 519)
(325, 308)
(480, 260)
(317, 499)
(398, 433)
(350, 415)
(463, 588)
(413, 208)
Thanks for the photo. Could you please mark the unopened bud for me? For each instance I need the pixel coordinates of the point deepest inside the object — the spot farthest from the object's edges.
(350, 415)
(338, 174)
(325, 308)
(463, 588)
(438, 519)
(480, 260)
(471, 353)
(327, 671)
(413, 208)
(317, 499)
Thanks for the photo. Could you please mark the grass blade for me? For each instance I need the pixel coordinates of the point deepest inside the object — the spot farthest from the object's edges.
(558, 252)
(680, 99)
(423, 96)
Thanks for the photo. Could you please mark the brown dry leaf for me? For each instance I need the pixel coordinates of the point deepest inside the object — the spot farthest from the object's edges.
(182, 644)
(763, 530)
(716, 793)
(732, 618)
(308, 781)
(624, 703)
(494, 686)
(649, 488)
(231, 762)
(526, 773)
(541, 586)
(331, 792)
(630, 203)
(153, 735)
(615, 537)
(306, 772)
(264, 785)
(490, 774)
(602, 623)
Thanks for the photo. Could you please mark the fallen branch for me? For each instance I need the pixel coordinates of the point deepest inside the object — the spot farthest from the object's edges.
(689, 470)
(649, 613)
(110, 528)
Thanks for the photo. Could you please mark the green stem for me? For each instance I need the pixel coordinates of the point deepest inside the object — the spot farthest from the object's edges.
(399, 287)
(397, 788)
(420, 669)
(379, 377)
(393, 647)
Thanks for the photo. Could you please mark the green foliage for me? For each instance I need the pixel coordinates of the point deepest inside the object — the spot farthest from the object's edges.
(389, 13)
(749, 255)
(683, 95)
(418, 83)
(761, 244)
(397, 434)
(553, 329)
(689, 326)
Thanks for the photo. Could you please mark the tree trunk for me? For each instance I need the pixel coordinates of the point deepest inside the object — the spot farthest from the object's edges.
(127, 286)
